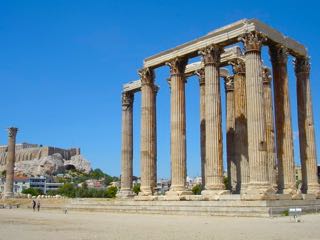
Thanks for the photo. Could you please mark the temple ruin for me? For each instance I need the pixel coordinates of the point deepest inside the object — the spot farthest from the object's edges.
(259, 138)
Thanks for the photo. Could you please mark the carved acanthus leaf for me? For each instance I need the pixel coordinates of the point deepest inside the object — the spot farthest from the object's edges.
(146, 76)
(278, 53)
(229, 83)
(253, 41)
(12, 132)
(127, 100)
(302, 64)
(266, 75)
(201, 74)
(177, 65)
(238, 66)
(211, 54)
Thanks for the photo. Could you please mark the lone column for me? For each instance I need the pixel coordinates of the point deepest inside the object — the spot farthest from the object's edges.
(214, 161)
(308, 153)
(286, 167)
(8, 188)
(241, 132)
(200, 74)
(148, 133)
(230, 125)
(178, 127)
(127, 146)
(271, 151)
(259, 186)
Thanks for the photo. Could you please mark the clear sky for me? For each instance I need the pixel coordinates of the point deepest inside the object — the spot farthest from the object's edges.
(63, 63)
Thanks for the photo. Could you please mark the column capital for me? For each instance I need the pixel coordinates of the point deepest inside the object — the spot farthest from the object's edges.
(238, 66)
(127, 100)
(302, 65)
(12, 132)
(253, 41)
(146, 76)
(211, 55)
(266, 75)
(201, 75)
(278, 53)
(229, 83)
(177, 65)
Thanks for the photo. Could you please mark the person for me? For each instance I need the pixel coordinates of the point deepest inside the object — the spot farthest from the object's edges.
(34, 205)
(38, 205)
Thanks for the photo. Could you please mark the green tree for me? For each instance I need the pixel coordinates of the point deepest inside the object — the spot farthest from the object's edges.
(111, 192)
(136, 188)
(197, 189)
(32, 191)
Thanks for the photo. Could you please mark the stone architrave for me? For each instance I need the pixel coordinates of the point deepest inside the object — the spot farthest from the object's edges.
(178, 128)
(214, 162)
(230, 131)
(127, 145)
(259, 186)
(201, 76)
(8, 187)
(148, 133)
(241, 131)
(284, 137)
(308, 153)
(270, 138)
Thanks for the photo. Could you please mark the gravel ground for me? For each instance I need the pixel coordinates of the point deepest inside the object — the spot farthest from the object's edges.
(53, 224)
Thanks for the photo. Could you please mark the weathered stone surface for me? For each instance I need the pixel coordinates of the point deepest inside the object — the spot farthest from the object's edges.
(79, 162)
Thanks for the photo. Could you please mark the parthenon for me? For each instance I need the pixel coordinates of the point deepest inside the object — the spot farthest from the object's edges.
(259, 138)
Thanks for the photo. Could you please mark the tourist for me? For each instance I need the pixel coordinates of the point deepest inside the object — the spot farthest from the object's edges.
(38, 205)
(34, 205)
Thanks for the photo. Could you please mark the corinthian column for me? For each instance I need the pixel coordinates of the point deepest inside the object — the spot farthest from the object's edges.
(241, 132)
(178, 127)
(286, 168)
(259, 185)
(8, 187)
(127, 146)
(148, 133)
(230, 127)
(214, 161)
(271, 151)
(201, 76)
(308, 153)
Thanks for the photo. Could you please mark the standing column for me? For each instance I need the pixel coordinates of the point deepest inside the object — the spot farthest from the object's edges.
(286, 167)
(230, 127)
(241, 132)
(214, 161)
(271, 150)
(8, 188)
(127, 146)
(178, 127)
(308, 153)
(148, 133)
(200, 73)
(259, 186)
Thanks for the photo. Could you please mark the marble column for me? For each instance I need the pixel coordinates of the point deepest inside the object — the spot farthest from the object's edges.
(148, 133)
(230, 128)
(259, 186)
(284, 138)
(270, 137)
(127, 145)
(214, 161)
(201, 76)
(9, 184)
(308, 153)
(241, 131)
(178, 127)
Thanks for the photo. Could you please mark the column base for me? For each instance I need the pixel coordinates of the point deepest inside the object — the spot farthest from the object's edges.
(173, 193)
(214, 194)
(314, 189)
(125, 194)
(8, 195)
(145, 191)
(259, 192)
(145, 198)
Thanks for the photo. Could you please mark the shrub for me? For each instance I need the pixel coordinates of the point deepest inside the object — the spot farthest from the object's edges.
(197, 189)
(32, 191)
(136, 188)
(111, 192)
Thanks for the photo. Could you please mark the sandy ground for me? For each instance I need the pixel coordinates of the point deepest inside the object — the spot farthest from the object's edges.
(53, 224)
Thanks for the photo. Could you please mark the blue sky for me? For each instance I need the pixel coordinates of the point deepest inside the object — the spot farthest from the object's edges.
(63, 64)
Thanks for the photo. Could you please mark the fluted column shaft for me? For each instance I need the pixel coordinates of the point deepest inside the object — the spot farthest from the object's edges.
(241, 132)
(148, 133)
(308, 153)
(8, 188)
(178, 126)
(230, 127)
(214, 161)
(270, 138)
(286, 167)
(200, 73)
(259, 179)
(127, 144)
